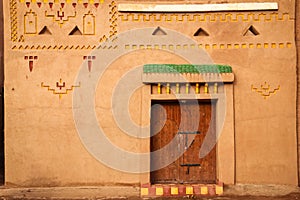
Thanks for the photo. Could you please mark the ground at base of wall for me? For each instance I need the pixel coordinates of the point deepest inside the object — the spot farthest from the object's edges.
(236, 192)
(293, 196)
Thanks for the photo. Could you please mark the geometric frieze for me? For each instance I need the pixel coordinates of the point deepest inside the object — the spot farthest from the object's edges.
(67, 21)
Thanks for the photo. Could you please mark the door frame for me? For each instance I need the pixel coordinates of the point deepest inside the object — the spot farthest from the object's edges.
(225, 164)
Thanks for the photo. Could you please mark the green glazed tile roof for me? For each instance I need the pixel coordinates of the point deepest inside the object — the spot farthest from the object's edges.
(186, 68)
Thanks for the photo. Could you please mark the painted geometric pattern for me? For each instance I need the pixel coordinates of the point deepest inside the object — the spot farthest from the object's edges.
(173, 190)
(31, 20)
(187, 68)
(206, 17)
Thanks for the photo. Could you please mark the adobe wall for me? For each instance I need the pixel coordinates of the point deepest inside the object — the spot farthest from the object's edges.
(1, 44)
(298, 71)
(1, 92)
(43, 147)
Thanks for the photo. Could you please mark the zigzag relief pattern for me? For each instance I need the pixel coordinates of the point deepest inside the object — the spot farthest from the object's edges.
(62, 47)
(113, 19)
(113, 22)
(13, 20)
(266, 45)
(210, 17)
(63, 1)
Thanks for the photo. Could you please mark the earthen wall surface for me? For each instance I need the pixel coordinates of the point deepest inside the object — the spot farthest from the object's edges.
(45, 47)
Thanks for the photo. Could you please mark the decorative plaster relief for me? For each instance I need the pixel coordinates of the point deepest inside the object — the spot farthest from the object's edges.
(13, 20)
(60, 88)
(30, 59)
(251, 31)
(185, 88)
(159, 31)
(30, 23)
(213, 46)
(63, 2)
(45, 31)
(207, 17)
(90, 61)
(113, 19)
(201, 32)
(265, 90)
(89, 24)
(59, 47)
(36, 13)
(59, 16)
(75, 31)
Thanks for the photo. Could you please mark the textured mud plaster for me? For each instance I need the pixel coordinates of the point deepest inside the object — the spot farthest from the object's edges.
(297, 22)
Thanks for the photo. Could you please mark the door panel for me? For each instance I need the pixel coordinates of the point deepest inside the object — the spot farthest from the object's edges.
(164, 127)
(181, 121)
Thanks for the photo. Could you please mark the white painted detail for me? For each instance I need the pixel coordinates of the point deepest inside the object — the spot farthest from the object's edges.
(124, 7)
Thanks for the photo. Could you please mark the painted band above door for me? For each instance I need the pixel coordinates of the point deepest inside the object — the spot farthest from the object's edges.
(181, 73)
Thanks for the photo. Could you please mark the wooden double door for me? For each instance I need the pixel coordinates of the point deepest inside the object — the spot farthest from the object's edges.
(187, 122)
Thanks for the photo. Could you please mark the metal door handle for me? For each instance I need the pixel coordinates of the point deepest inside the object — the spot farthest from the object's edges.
(189, 132)
(190, 165)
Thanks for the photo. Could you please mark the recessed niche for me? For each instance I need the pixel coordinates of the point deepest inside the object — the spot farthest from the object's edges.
(75, 31)
(159, 31)
(45, 31)
(251, 31)
(201, 32)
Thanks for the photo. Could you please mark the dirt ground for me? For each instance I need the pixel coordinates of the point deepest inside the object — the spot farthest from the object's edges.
(235, 192)
(292, 196)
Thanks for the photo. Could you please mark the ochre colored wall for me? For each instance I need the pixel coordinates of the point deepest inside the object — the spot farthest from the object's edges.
(1, 44)
(298, 72)
(43, 147)
(1, 94)
(265, 131)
